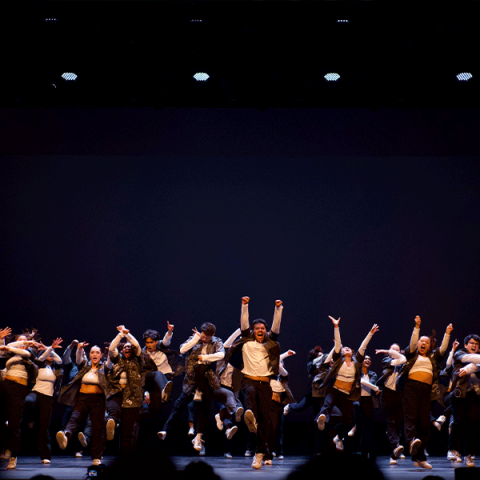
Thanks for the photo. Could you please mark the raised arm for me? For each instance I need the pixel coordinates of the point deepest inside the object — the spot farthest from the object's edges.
(228, 343)
(398, 358)
(167, 339)
(50, 350)
(367, 339)
(80, 353)
(68, 352)
(277, 316)
(446, 339)
(336, 333)
(415, 335)
(244, 318)
(112, 349)
(191, 342)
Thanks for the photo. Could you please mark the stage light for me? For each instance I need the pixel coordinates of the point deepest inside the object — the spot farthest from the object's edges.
(464, 77)
(343, 21)
(69, 76)
(193, 20)
(331, 77)
(201, 77)
(51, 20)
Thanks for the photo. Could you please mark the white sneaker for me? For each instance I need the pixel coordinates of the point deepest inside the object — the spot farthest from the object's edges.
(280, 457)
(469, 461)
(162, 435)
(110, 429)
(46, 461)
(191, 432)
(402, 457)
(351, 433)
(96, 461)
(197, 442)
(201, 453)
(238, 414)
(257, 460)
(248, 453)
(398, 451)
(62, 439)
(250, 421)
(198, 396)
(219, 421)
(167, 391)
(393, 461)
(228, 455)
(338, 443)
(286, 409)
(423, 464)
(12, 463)
(454, 456)
(231, 432)
(268, 462)
(415, 444)
(321, 421)
(82, 439)
(78, 454)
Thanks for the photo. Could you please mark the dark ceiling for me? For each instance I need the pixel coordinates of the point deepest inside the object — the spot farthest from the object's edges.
(257, 54)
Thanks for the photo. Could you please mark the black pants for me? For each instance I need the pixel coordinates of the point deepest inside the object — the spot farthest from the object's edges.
(275, 427)
(391, 402)
(258, 397)
(336, 398)
(92, 404)
(12, 396)
(465, 423)
(416, 411)
(364, 422)
(36, 401)
(154, 384)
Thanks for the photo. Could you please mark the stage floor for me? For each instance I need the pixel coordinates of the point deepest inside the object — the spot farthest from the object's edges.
(68, 468)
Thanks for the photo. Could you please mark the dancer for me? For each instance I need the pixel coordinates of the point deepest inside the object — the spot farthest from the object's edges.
(20, 372)
(42, 396)
(419, 378)
(128, 368)
(464, 400)
(87, 392)
(391, 399)
(343, 383)
(257, 355)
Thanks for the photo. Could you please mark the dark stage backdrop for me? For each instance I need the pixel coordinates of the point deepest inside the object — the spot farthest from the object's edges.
(142, 216)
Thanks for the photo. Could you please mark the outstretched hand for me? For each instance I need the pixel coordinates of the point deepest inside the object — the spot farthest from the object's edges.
(170, 327)
(195, 331)
(5, 332)
(378, 350)
(56, 343)
(82, 345)
(335, 322)
(374, 329)
(449, 329)
(455, 344)
(291, 352)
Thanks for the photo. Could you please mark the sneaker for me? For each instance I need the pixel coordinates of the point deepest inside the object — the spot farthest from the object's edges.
(78, 454)
(469, 461)
(351, 433)
(338, 443)
(402, 457)
(231, 432)
(12, 463)
(6, 454)
(46, 461)
(268, 462)
(250, 421)
(423, 464)
(441, 419)
(219, 421)
(248, 453)
(96, 461)
(197, 443)
(201, 453)
(321, 421)
(454, 456)
(62, 439)
(191, 432)
(82, 439)
(274, 454)
(162, 435)
(280, 457)
(238, 414)
(398, 452)
(393, 461)
(257, 460)
(110, 429)
(198, 396)
(228, 455)
(286, 409)
(415, 444)
(167, 391)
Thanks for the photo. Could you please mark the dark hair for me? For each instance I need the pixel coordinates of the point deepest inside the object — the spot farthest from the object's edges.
(472, 336)
(260, 320)
(208, 329)
(313, 353)
(153, 334)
